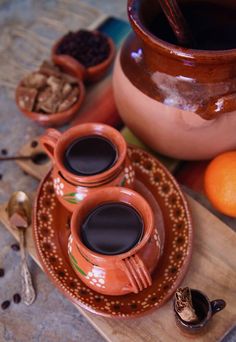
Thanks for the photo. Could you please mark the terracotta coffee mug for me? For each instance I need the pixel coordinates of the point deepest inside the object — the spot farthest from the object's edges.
(115, 274)
(203, 306)
(70, 188)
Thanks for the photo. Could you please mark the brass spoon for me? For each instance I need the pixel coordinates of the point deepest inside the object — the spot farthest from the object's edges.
(19, 213)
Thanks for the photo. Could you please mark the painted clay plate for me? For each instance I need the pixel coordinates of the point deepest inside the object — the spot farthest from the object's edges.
(52, 229)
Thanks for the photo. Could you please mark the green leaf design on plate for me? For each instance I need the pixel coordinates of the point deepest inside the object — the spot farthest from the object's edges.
(75, 265)
(122, 183)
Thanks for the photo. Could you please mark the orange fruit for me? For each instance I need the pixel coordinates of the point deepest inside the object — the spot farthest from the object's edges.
(220, 183)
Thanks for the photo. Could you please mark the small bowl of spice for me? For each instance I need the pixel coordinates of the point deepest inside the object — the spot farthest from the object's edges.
(84, 54)
(49, 97)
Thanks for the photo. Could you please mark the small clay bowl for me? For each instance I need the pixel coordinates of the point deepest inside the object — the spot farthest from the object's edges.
(54, 119)
(76, 69)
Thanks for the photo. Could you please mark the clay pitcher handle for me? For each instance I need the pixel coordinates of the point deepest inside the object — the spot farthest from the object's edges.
(137, 273)
(217, 305)
(49, 140)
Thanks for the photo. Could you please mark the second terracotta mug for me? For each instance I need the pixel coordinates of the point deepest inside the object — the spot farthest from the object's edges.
(115, 274)
(70, 188)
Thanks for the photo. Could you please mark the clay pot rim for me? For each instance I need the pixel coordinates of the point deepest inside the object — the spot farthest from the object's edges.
(203, 56)
(147, 217)
(83, 72)
(89, 129)
(58, 118)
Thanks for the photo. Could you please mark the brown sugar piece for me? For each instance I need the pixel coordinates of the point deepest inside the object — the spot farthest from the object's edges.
(55, 83)
(35, 80)
(50, 105)
(69, 100)
(48, 101)
(184, 305)
(48, 90)
(66, 90)
(44, 94)
(27, 97)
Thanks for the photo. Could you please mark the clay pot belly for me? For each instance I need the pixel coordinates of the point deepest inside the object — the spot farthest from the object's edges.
(169, 130)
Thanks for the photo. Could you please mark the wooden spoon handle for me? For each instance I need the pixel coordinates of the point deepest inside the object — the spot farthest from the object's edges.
(177, 22)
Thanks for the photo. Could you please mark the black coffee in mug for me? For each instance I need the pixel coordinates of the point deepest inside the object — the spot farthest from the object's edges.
(112, 228)
(90, 155)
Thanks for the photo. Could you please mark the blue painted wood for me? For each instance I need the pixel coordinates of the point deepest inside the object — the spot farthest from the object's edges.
(116, 29)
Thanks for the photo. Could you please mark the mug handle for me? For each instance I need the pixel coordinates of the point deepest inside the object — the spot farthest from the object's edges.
(49, 140)
(137, 273)
(217, 305)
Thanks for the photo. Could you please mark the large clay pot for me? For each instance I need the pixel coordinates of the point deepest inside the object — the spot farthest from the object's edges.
(181, 102)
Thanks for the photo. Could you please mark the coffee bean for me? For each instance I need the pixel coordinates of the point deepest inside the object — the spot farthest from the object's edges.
(5, 304)
(88, 48)
(16, 298)
(4, 151)
(34, 143)
(15, 247)
(2, 272)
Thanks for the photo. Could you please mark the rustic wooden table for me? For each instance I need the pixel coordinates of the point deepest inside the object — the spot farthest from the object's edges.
(64, 322)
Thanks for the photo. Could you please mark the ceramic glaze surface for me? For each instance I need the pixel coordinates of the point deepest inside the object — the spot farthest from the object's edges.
(181, 102)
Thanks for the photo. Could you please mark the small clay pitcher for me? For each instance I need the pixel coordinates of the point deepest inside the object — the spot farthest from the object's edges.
(203, 306)
(71, 189)
(115, 274)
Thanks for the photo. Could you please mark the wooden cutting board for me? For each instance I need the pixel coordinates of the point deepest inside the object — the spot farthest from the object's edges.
(212, 270)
